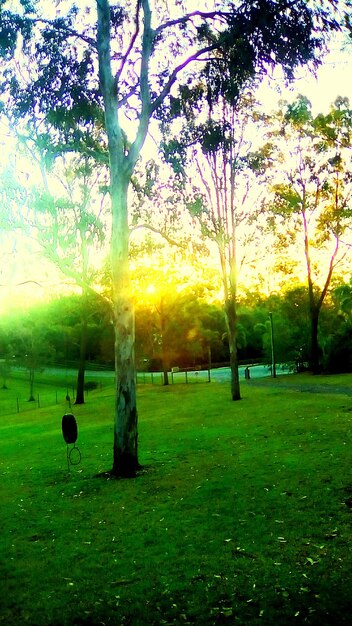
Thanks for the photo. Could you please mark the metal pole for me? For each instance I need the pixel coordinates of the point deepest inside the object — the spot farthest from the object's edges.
(273, 364)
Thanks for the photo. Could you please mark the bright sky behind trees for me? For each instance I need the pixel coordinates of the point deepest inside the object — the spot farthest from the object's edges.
(25, 278)
(334, 78)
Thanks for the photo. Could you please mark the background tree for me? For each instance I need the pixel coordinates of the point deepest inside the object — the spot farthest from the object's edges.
(64, 215)
(170, 295)
(338, 351)
(291, 327)
(5, 369)
(33, 350)
(63, 90)
(222, 193)
(312, 201)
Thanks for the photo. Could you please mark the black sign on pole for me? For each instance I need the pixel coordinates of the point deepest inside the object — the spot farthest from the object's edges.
(70, 433)
(69, 428)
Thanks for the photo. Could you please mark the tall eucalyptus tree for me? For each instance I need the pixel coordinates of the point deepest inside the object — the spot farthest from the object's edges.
(215, 154)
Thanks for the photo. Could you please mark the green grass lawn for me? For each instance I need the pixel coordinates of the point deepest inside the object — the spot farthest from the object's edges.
(241, 515)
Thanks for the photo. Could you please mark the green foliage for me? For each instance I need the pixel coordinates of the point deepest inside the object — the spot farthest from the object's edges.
(189, 327)
(287, 201)
(338, 342)
(299, 113)
(196, 206)
(59, 324)
(5, 369)
(310, 201)
(260, 160)
(338, 351)
(343, 295)
(174, 153)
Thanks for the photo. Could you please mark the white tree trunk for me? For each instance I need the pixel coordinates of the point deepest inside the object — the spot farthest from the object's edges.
(125, 462)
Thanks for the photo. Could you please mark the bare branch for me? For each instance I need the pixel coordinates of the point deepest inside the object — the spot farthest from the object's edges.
(174, 74)
(73, 33)
(186, 18)
(164, 235)
(131, 44)
(25, 282)
(146, 112)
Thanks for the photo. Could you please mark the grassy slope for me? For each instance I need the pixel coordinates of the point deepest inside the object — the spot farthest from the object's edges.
(239, 516)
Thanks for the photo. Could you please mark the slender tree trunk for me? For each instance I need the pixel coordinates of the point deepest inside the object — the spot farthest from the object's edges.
(231, 322)
(229, 285)
(125, 462)
(163, 351)
(82, 360)
(165, 375)
(314, 346)
(314, 307)
(31, 385)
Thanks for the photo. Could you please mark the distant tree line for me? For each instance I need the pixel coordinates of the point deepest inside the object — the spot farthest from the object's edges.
(181, 330)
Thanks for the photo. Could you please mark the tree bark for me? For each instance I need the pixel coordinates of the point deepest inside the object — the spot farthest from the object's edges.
(164, 359)
(82, 360)
(31, 385)
(125, 450)
(125, 461)
(231, 322)
(314, 347)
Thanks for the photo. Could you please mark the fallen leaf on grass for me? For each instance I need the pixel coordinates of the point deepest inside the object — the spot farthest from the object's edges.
(332, 534)
(311, 561)
(122, 581)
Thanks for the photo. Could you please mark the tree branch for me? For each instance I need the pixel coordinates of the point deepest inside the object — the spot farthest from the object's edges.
(186, 18)
(132, 42)
(146, 112)
(174, 74)
(70, 31)
(332, 265)
(24, 282)
(165, 236)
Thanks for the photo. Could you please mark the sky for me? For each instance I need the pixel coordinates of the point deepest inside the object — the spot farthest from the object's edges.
(334, 78)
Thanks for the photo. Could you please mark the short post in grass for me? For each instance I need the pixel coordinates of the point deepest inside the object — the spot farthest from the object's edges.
(70, 434)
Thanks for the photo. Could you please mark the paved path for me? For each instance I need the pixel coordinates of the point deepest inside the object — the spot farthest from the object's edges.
(303, 388)
(260, 376)
(223, 374)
